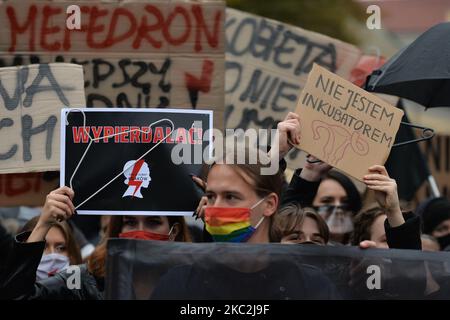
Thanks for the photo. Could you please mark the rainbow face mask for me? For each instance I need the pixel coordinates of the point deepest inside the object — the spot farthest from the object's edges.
(230, 224)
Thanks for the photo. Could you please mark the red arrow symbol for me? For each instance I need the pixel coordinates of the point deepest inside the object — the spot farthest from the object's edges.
(194, 84)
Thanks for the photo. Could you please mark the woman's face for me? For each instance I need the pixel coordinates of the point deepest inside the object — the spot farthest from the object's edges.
(330, 193)
(55, 242)
(154, 224)
(308, 231)
(226, 188)
(377, 232)
(331, 202)
(442, 229)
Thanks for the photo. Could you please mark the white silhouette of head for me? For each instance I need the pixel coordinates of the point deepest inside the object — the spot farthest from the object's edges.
(137, 174)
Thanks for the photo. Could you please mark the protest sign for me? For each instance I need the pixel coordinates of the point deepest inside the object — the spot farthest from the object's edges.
(31, 98)
(267, 63)
(134, 161)
(343, 125)
(135, 54)
(26, 189)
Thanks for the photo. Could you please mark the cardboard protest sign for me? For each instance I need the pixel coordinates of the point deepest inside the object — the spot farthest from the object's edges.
(267, 63)
(135, 54)
(31, 98)
(26, 189)
(343, 125)
(134, 161)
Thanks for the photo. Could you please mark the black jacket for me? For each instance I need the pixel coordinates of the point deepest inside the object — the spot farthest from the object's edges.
(300, 191)
(6, 244)
(19, 278)
(406, 236)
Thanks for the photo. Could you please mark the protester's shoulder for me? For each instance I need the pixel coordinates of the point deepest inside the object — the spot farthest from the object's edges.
(73, 283)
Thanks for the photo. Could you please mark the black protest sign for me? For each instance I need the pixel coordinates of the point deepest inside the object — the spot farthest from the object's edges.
(134, 161)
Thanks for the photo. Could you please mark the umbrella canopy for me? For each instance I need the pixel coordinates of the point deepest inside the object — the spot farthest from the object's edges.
(419, 72)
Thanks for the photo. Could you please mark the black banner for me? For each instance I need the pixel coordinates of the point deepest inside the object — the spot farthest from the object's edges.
(133, 161)
(139, 269)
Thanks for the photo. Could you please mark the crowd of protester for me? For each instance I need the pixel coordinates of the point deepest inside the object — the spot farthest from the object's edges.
(319, 206)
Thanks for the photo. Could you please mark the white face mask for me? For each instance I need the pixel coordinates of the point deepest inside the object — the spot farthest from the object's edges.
(339, 222)
(50, 265)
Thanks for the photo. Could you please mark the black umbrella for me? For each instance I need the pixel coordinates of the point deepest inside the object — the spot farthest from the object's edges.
(419, 72)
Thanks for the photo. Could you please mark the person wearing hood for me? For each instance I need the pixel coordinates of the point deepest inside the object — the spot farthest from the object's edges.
(435, 215)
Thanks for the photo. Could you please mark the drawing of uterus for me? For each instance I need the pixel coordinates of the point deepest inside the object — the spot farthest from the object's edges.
(337, 141)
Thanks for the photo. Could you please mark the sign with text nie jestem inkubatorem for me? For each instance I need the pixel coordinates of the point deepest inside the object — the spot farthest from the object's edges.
(31, 98)
(343, 125)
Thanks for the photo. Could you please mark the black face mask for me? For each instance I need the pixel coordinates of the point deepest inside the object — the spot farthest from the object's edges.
(444, 241)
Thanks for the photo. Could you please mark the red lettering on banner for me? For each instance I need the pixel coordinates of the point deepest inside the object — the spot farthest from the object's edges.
(101, 27)
(111, 39)
(144, 28)
(147, 137)
(124, 136)
(16, 28)
(107, 131)
(158, 135)
(169, 135)
(16, 184)
(181, 136)
(134, 135)
(97, 131)
(117, 135)
(92, 28)
(45, 30)
(168, 24)
(212, 38)
(80, 134)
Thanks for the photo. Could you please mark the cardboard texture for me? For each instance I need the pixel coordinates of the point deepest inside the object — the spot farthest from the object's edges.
(143, 54)
(267, 63)
(31, 98)
(344, 125)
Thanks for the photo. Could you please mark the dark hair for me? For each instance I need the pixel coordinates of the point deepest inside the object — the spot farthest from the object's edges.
(290, 216)
(353, 195)
(73, 250)
(432, 212)
(363, 221)
(263, 184)
(96, 261)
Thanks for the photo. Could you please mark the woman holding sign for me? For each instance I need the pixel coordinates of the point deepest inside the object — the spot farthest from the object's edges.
(84, 281)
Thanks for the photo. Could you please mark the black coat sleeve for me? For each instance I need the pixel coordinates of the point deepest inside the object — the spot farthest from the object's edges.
(410, 276)
(19, 274)
(300, 190)
(6, 244)
(406, 236)
(19, 279)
